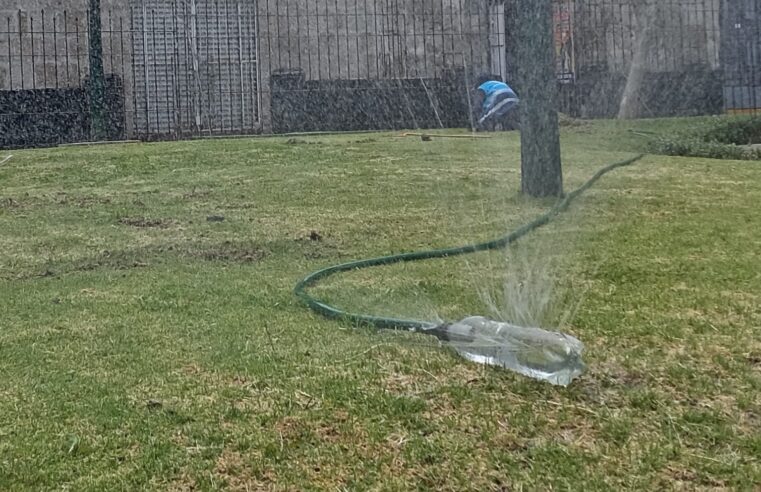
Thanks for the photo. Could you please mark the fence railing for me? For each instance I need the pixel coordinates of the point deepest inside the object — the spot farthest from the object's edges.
(174, 69)
(383, 64)
(181, 68)
(674, 43)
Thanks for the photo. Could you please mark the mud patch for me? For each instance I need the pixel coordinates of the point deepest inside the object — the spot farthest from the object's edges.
(291, 428)
(602, 386)
(115, 260)
(315, 244)
(316, 249)
(23, 201)
(310, 235)
(298, 141)
(236, 472)
(10, 203)
(320, 253)
(196, 194)
(145, 223)
(183, 483)
(229, 251)
(146, 257)
(84, 201)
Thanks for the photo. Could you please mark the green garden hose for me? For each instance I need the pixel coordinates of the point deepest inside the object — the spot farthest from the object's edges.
(329, 311)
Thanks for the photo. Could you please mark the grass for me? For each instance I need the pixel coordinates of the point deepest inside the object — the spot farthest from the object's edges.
(143, 346)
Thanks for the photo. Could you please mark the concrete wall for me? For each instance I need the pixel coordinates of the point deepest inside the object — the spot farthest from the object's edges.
(683, 33)
(52, 35)
(370, 39)
(347, 39)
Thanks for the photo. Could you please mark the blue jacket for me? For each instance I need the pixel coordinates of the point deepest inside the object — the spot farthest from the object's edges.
(494, 89)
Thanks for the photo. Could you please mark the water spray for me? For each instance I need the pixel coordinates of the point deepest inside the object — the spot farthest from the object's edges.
(534, 352)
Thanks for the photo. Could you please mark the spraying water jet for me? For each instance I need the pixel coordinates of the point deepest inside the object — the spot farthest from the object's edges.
(534, 352)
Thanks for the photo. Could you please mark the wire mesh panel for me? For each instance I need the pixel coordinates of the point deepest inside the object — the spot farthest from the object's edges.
(195, 67)
(675, 43)
(357, 39)
(497, 40)
(226, 60)
(357, 64)
(681, 32)
(741, 53)
(30, 55)
(44, 71)
(156, 85)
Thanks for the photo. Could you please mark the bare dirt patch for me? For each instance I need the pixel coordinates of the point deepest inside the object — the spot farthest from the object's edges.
(145, 222)
(230, 252)
(10, 203)
(116, 260)
(231, 468)
(84, 201)
(146, 257)
(309, 235)
(316, 244)
(183, 483)
(196, 194)
(299, 141)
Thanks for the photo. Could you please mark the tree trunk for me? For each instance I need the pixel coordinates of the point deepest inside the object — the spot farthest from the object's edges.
(630, 106)
(541, 170)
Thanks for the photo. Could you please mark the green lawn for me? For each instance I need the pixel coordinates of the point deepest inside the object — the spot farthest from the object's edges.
(143, 346)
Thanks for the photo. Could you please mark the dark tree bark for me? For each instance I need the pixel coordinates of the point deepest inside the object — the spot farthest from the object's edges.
(541, 169)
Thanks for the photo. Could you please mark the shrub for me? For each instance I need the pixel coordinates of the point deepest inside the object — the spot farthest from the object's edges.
(696, 147)
(739, 132)
(724, 140)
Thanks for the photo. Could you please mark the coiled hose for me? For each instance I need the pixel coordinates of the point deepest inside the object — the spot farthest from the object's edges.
(329, 311)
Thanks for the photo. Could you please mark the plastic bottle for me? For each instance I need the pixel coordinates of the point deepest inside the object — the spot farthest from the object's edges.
(536, 353)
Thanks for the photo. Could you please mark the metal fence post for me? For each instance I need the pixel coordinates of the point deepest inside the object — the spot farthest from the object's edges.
(97, 85)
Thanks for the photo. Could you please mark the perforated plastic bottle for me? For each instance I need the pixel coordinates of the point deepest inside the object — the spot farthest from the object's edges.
(536, 353)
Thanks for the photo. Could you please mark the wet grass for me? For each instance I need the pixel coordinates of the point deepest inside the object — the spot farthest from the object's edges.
(149, 338)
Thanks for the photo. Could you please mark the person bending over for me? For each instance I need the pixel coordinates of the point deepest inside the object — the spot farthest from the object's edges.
(498, 105)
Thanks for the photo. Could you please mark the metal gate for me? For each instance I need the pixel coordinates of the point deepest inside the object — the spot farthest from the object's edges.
(195, 67)
(497, 40)
(741, 55)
